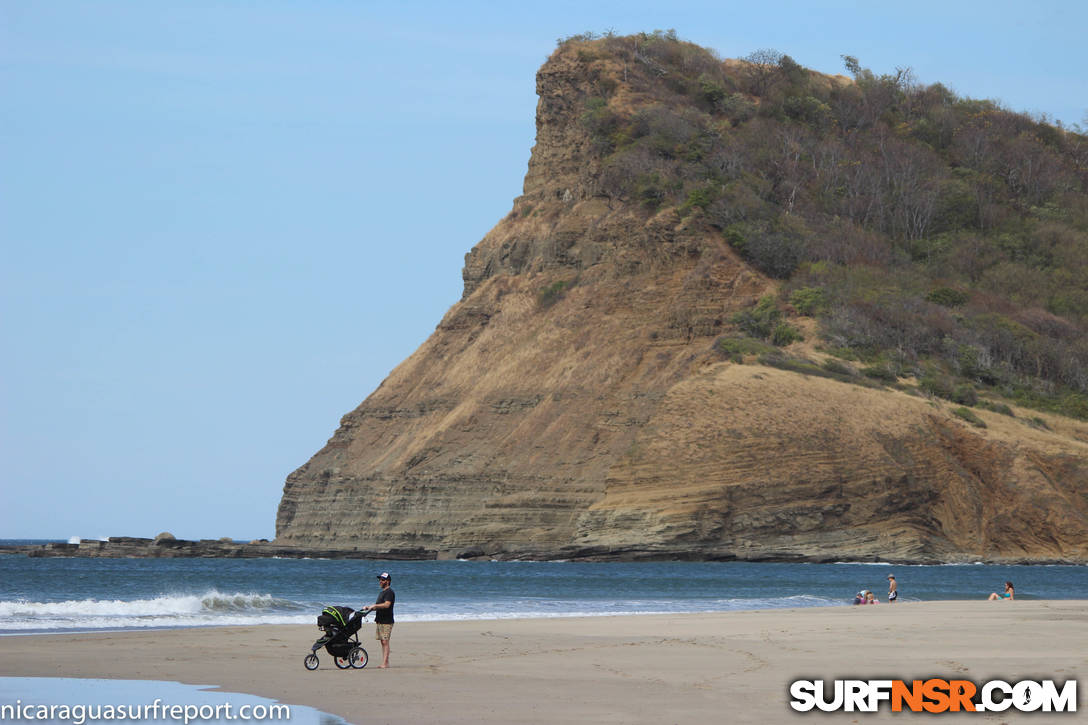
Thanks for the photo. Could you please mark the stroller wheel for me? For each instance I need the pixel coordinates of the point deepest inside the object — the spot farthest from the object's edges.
(358, 657)
(310, 662)
(342, 662)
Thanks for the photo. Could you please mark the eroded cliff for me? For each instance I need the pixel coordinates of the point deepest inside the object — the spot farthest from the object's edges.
(573, 404)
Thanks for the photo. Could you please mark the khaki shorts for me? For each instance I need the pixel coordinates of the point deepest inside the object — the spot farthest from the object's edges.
(382, 631)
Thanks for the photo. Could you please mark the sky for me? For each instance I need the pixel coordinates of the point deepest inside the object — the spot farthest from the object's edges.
(222, 224)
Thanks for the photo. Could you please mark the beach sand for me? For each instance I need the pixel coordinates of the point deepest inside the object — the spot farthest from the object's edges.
(730, 667)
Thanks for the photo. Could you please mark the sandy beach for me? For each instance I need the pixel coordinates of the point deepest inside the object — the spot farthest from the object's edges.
(730, 667)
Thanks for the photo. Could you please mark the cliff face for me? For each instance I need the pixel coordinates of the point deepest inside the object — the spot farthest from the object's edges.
(572, 404)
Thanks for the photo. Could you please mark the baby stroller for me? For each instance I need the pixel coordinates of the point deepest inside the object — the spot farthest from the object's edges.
(341, 639)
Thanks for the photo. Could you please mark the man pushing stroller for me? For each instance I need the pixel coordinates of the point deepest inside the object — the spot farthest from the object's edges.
(341, 624)
(383, 617)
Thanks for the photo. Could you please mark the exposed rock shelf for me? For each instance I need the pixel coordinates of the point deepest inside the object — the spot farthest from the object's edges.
(120, 547)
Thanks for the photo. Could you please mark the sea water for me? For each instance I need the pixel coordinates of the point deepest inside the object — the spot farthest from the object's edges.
(74, 701)
(81, 594)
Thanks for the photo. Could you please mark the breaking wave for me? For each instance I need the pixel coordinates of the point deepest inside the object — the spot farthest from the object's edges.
(167, 610)
(218, 608)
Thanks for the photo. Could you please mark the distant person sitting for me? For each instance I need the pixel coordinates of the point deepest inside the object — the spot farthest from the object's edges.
(870, 598)
(859, 598)
(1007, 594)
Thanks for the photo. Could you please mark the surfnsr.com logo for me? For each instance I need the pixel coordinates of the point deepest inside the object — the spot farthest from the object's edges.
(933, 695)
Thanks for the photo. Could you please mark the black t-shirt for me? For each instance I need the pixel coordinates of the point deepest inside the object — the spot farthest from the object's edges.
(385, 616)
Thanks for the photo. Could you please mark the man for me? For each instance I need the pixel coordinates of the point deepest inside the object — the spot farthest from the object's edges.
(893, 590)
(383, 617)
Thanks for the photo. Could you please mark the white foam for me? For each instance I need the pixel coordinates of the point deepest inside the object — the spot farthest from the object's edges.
(213, 608)
(559, 609)
(167, 610)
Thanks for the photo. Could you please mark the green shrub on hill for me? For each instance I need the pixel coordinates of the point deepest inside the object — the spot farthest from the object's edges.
(785, 334)
(947, 297)
(735, 348)
(964, 395)
(969, 415)
(553, 293)
(936, 385)
(882, 372)
(810, 301)
(759, 321)
(835, 367)
(1001, 408)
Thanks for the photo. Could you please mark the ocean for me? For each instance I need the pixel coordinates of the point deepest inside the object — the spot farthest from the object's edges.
(84, 594)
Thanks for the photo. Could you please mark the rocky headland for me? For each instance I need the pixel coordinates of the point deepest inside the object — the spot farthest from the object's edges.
(578, 401)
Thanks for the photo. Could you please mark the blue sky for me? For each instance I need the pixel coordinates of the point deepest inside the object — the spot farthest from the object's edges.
(223, 223)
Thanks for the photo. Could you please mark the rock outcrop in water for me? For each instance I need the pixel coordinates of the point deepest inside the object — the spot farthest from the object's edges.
(134, 547)
(573, 404)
